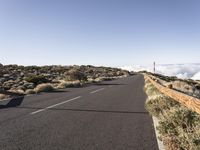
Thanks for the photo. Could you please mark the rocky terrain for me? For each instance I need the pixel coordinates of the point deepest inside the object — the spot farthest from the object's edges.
(34, 79)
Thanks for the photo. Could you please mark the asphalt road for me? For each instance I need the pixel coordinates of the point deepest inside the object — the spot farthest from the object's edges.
(107, 116)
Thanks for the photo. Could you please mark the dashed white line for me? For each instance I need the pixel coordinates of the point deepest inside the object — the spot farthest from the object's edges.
(40, 110)
(35, 112)
(97, 90)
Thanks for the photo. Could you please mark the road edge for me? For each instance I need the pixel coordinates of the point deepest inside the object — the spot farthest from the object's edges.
(159, 142)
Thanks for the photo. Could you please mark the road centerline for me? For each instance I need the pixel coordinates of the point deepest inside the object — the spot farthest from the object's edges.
(49, 107)
(97, 91)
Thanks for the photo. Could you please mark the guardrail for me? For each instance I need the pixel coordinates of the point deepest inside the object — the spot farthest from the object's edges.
(188, 101)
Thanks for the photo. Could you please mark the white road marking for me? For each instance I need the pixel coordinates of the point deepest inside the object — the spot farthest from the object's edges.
(40, 110)
(97, 90)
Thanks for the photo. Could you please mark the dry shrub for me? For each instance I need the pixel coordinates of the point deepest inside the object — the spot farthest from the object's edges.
(99, 79)
(64, 84)
(178, 126)
(3, 96)
(75, 74)
(171, 143)
(36, 79)
(183, 87)
(30, 91)
(17, 91)
(158, 104)
(90, 80)
(183, 126)
(44, 87)
(150, 89)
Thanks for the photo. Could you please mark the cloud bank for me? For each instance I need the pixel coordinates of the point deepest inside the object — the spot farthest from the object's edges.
(184, 71)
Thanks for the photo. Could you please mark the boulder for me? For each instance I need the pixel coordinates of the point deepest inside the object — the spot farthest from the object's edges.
(29, 85)
(8, 84)
(6, 75)
(2, 80)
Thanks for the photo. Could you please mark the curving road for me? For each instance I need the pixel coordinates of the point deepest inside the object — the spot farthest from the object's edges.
(106, 116)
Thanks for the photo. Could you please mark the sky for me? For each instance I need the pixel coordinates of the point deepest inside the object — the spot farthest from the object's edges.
(184, 71)
(99, 32)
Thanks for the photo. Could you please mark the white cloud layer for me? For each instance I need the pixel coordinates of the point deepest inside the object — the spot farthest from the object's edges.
(184, 71)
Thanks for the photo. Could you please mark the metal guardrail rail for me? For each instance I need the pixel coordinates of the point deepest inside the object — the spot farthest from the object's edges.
(188, 101)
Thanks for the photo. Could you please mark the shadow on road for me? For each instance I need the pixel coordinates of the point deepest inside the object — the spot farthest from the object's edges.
(108, 84)
(103, 111)
(57, 91)
(13, 102)
(11, 93)
(88, 110)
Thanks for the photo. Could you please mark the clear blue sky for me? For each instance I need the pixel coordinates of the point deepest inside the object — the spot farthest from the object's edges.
(99, 32)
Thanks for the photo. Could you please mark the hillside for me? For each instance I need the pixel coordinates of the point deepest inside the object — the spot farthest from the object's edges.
(27, 79)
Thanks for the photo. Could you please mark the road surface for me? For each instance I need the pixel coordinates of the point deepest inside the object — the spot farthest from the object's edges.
(106, 116)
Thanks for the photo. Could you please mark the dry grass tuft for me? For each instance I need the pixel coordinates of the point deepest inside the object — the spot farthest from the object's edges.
(30, 91)
(44, 87)
(64, 84)
(3, 96)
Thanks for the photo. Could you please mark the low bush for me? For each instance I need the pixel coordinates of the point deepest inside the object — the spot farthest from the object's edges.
(157, 105)
(17, 91)
(30, 91)
(74, 75)
(36, 79)
(179, 127)
(3, 96)
(65, 84)
(150, 89)
(44, 87)
(98, 79)
(90, 80)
